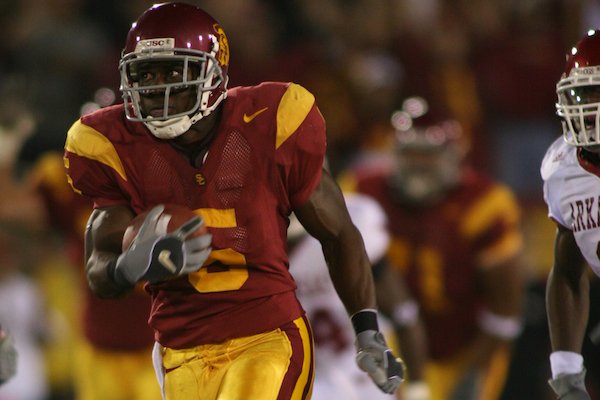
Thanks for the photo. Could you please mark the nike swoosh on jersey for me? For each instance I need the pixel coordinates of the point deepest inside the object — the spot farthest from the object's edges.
(248, 118)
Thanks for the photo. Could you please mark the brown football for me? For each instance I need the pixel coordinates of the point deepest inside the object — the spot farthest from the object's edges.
(172, 217)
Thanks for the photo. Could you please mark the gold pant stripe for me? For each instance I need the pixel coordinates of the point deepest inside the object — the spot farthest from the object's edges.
(249, 368)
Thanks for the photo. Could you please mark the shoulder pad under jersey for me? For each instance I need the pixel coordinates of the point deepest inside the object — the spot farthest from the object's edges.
(559, 155)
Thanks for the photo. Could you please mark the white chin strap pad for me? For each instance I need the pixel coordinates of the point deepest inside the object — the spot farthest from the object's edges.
(174, 127)
(169, 129)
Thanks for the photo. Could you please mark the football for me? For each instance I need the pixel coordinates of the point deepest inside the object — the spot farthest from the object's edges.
(172, 217)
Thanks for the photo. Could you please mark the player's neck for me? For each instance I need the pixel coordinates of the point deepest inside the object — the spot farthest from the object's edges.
(201, 133)
(194, 143)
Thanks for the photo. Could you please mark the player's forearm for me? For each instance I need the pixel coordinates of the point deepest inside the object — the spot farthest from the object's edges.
(350, 272)
(396, 303)
(103, 243)
(567, 308)
(500, 320)
(483, 347)
(413, 349)
(101, 279)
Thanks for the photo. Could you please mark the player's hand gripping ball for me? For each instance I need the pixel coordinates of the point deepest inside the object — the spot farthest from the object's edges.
(167, 241)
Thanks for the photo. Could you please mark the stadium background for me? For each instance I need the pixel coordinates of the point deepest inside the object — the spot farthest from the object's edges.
(495, 64)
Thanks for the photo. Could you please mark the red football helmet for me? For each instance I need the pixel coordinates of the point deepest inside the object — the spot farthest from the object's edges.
(185, 37)
(429, 150)
(578, 92)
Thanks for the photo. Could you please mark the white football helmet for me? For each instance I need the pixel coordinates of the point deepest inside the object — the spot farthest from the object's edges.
(578, 92)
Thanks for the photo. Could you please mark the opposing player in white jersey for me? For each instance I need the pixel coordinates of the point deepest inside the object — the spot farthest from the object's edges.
(571, 174)
(337, 376)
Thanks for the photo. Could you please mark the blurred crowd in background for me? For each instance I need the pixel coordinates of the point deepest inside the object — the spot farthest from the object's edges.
(493, 63)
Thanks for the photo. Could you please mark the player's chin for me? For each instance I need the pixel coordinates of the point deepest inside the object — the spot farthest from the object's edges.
(157, 111)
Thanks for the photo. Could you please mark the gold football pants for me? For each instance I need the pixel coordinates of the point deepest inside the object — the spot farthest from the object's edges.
(275, 365)
(445, 378)
(114, 375)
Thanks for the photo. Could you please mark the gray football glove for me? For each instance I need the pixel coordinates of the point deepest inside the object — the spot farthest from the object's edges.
(570, 386)
(154, 257)
(376, 359)
(8, 357)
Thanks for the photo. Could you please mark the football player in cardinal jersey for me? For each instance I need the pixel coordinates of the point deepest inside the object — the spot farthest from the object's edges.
(455, 237)
(570, 170)
(224, 311)
(336, 375)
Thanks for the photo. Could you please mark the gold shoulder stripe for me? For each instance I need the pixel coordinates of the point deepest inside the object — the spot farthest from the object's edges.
(69, 179)
(497, 203)
(87, 142)
(293, 109)
(50, 171)
(506, 248)
(70, 182)
(347, 182)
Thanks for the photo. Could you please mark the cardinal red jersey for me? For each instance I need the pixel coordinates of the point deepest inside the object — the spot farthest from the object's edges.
(109, 324)
(441, 248)
(265, 159)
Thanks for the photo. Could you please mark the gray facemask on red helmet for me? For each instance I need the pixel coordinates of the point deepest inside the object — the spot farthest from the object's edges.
(182, 35)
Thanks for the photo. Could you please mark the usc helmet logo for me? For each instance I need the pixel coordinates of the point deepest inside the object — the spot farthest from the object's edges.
(223, 54)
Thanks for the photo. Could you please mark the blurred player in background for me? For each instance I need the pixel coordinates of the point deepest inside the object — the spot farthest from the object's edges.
(337, 376)
(456, 239)
(112, 358)
(8, 357)
(27, 324)
(224, 310)
(24, 315)
(570, 170)
(25, 318)
(97, 348)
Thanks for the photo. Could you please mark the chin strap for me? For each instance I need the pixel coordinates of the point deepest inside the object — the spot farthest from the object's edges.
(171, 128)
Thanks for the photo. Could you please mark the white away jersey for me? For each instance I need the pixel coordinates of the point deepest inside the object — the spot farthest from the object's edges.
(573, 198)
(337, 376)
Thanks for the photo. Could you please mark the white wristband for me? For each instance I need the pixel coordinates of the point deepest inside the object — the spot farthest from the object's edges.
(506, 328)
(417, 390)
(565, 362)
(405, 314)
